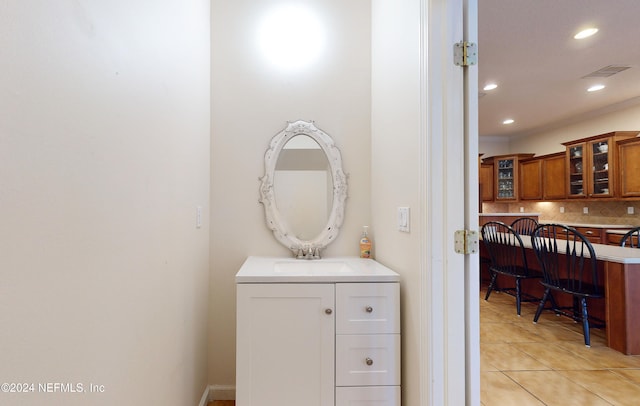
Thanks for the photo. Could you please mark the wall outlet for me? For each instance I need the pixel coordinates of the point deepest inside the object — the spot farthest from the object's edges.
(521, 209)
(630, 210)
(561, 209)
(585, 210)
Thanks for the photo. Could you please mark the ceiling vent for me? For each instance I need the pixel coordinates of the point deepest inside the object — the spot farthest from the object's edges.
(607, 71)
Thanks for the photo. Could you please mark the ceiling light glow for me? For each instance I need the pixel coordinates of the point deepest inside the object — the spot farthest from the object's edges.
(585, 33)
(595, 88)
(508, 121)
(291, 37)
(490, 86)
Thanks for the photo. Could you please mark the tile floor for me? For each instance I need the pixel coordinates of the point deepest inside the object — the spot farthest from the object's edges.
(547, 363)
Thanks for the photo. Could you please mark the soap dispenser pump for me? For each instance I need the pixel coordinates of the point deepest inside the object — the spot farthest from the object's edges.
(365, 243)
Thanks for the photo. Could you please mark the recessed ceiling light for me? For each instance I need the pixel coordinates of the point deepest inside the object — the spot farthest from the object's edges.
(490, 86)
(595, 88)
(508, 121)
(585, 33)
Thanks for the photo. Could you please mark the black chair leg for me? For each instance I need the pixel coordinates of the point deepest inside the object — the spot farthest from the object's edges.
(494, 276)
(518, 296)
(577, 309)
(543, 301)
(585, 322)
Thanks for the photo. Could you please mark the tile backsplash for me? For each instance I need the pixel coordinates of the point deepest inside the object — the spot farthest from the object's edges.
(599, 212)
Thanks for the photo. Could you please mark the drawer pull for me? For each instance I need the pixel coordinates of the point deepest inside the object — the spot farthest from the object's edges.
(589, 232)
(369, 309)
(328, 311)
(369, 361)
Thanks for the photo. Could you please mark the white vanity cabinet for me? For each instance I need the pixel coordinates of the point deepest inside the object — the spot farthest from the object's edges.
(318, 338)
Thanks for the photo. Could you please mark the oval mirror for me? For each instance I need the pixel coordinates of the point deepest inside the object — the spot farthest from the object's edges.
(303, 189)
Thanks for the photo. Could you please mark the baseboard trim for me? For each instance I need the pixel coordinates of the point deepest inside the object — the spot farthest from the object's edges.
(218, 392)
(204, 400)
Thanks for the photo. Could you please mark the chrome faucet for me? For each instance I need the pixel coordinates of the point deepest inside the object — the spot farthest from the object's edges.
(308, 252)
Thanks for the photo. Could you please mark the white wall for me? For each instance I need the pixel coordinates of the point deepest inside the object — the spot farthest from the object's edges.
(104, 155)
(395, 164)
(251, 102)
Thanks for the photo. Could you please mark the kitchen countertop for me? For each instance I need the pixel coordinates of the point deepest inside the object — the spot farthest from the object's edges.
(591, 225)
(621, 231)
(508, 214)
(327, 270)
(611, 253)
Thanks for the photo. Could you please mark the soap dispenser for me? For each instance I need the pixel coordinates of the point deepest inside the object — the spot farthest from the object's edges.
(365, 243)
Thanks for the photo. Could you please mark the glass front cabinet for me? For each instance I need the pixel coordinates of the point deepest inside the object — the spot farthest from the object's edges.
(591, 165)
(506, 176)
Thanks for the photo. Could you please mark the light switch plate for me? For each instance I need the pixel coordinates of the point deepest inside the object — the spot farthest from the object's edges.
(585, 210)
(403, 219)
(199, 217)
(630, 210)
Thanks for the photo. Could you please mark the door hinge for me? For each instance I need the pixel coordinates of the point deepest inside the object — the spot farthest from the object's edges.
(465, 53)
(466, 242)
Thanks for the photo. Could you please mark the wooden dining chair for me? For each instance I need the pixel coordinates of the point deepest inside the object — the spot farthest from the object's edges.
(508, 257)
(569, 266)
(524, 225)
(631, 239)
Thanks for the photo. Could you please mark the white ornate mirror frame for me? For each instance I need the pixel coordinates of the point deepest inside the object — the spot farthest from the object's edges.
(309, 249)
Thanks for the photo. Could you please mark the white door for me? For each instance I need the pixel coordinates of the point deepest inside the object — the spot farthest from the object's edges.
(450, 335)
(285, 345)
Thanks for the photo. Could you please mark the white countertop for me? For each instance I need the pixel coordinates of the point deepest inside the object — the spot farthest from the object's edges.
(621, 231)
(611, 253)
(591, 225)
(508, 214)
(327, 270)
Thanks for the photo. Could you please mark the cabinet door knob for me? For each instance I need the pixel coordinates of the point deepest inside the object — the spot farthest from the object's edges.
(369, 361)
(369, 309)
(328, 311)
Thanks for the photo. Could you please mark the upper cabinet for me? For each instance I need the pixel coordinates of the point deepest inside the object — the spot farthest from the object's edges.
(530, 173)
(543, 178)
(554, 177)
(505, 169)
(591, 165)
(603, 166)
(486, 180)
(628, 164)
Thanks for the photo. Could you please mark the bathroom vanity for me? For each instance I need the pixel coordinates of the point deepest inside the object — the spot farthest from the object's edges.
(317, 332)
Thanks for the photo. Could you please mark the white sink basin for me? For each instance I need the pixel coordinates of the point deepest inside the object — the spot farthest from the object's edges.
(310, 267)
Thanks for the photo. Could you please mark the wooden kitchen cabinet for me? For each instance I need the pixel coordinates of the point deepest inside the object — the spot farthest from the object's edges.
(486, 180)
(628, 164)
(506, 178)
(554, 179)
(530, 181)
(591, 165)
(543, 177)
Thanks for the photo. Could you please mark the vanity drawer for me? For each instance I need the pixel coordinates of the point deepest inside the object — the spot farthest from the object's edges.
(368, 395)
(368, 360)
(368, 308)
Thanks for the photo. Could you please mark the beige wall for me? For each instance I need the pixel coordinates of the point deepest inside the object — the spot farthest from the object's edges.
(492, 145)
(251, 102)
(550, 141)
(395, 164)
(104, 156)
